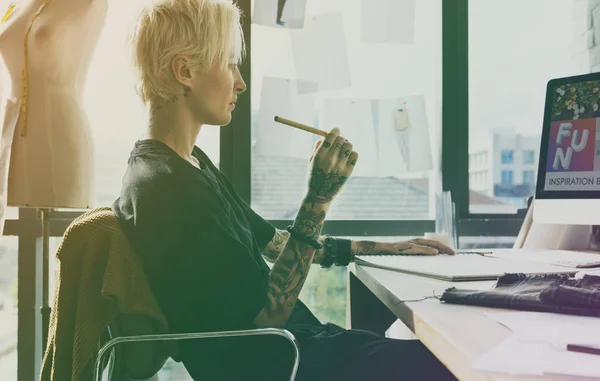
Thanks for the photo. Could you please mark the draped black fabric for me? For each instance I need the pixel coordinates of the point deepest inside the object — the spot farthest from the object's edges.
(546, 293)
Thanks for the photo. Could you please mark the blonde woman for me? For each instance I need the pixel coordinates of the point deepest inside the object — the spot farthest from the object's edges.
(204, 249)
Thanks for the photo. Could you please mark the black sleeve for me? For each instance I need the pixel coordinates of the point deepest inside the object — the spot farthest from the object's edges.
(263, 230)
(197, 262)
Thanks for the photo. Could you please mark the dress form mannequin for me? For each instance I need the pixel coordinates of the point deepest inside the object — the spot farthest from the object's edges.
(46, 149)
(50, 142)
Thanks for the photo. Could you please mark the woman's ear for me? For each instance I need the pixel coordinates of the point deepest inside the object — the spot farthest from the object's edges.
(181, 69)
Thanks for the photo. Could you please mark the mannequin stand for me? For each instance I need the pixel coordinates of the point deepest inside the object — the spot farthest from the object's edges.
(45, 310)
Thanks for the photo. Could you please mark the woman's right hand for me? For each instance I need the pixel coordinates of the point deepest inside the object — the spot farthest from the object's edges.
(331, 165)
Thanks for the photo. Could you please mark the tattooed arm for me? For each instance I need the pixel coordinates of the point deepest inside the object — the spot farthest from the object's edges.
(291, 268)
(332, 163)
(416, 246)
(275, 246)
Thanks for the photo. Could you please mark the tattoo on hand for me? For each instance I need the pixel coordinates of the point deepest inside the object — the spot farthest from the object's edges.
(324, 186)
(403, 251)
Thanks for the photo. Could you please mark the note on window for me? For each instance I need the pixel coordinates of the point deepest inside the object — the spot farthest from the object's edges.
(388, 21)
(279, 13)
(354, 119)
(403, 135)
(279, 96)
(320, 53)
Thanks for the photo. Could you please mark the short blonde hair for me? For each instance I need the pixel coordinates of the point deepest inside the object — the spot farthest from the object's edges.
(209, 32)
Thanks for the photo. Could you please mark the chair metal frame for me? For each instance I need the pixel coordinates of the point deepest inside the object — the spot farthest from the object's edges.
(110, 345)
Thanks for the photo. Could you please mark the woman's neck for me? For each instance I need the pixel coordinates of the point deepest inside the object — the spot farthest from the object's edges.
(174, 125)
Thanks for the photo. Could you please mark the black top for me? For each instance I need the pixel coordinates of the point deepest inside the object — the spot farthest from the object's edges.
(198, 242)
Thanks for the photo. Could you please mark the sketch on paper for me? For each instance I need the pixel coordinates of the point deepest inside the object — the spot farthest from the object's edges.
(280, 13)
(403, 135)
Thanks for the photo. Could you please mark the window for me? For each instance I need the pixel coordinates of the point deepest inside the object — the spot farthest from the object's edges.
(506, 157)
(506, 178)
(529, 157)
(360, 66)
(508, 72)
(529, 177)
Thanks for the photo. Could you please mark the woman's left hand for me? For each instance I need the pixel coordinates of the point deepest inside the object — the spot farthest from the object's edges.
(417, 246)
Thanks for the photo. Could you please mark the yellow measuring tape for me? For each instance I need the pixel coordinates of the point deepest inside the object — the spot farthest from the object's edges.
(9, 12)
(24, 70)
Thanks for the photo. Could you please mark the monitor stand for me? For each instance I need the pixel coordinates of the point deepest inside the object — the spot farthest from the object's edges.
(535, 235)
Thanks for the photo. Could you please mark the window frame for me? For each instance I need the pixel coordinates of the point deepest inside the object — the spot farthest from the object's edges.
(455, 121)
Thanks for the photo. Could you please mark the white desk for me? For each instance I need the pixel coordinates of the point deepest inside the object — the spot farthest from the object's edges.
(455, 334)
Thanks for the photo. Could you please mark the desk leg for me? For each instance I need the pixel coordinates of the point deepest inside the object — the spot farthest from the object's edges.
(365, 310)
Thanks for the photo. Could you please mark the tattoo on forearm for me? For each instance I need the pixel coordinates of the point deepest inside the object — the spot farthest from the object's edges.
(289, 273)
(324, 186)
(291, 268)
(273, 249)
(365, 248)
(278, 239)
(309, 223)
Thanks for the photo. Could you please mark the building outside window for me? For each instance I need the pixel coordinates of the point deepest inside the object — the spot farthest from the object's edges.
(529, 177)
(506, 157)
(529, 157)
(507, 178)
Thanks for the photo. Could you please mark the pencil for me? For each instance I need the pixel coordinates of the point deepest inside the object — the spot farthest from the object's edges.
(583, 349)
(300, 126)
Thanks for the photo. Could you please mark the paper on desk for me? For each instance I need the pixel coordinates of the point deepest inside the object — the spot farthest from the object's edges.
(557, 329)
(590, 272)
(514, 356)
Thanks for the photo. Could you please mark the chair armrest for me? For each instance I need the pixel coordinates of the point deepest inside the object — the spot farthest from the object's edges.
(197, 335)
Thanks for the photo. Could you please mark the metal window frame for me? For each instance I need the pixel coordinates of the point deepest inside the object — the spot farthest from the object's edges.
(235, 162)
(455, 118)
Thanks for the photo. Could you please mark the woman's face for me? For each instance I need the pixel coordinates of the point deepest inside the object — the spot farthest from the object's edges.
(214, 94)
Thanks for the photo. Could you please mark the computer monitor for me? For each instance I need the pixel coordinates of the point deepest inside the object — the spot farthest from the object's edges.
(568, 183)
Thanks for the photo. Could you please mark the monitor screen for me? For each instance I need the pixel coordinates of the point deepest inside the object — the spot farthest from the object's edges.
(568, 183)
(569, 165)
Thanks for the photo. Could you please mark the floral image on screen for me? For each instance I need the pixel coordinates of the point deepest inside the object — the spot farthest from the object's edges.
(575, 101)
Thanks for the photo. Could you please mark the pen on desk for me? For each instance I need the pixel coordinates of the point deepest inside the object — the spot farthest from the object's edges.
(583, 349)
(300, 126)
(482, 253)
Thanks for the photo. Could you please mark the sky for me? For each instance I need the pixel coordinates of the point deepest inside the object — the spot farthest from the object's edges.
(515, 48)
